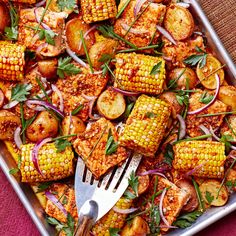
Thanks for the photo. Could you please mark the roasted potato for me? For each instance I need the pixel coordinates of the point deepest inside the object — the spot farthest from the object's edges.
(229, 128)
(231, 179)
(138, 227)
(107, 46)
(73, 28)
(2, 97)
(179, 22)
(8, 123)
(73, 126)
(111, 104)
(187, 73)
(227, 95)
(170, 97)
(209, 190)
(192, 203)
(205, 75)
(4, 17)
(44, 126)
(48, 68)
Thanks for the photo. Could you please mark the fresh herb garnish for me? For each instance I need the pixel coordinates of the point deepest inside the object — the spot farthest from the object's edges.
(128, 109)
(111, 145)
(108, 32)
(209, 197)
(226, 139)
(133, 183)
(156, 69)
(193, 60)
(194, 138)
(206, 98)
(48, 35)
(122, 9)
(169, 154)
(66, 4)
(217, 114)
(77, 110)
(106, 59)
(20, 91)
(150, 115)
(187, 220)
(13, 171)
(230, 127)
(65, 68)
(156, 46)
(61, 144)
(114, 231)
(11, 33)
(199, 196)
(43, 89)
(173, 82)
(64, 200)
(230, 184)
(43, 186)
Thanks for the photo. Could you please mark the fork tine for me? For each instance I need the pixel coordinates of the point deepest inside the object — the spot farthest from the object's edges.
(80, 168)
(88, 177)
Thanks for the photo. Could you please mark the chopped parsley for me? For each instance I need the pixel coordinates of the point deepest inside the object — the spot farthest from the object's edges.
(226, 139)
(61, 144)
(20, 91)
(43, 186)
(111, 145)
(169, 154)
(13, 171)
(133, 183)
(114, 231)
(156, 69)
(209, 197)
(187, 220)
(48, 35)
(206, 98)
(66, 4)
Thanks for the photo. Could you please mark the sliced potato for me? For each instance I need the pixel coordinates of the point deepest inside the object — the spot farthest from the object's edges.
(8, 124)
(184, 74)
(179, 22)
(111, 104)
(48, 68)
(73, 28)
(205, 75)
(4, 17)
(209, 190)
(107, 46)
(227, 95)
(44, 126)
(138, 227)
(192, 203)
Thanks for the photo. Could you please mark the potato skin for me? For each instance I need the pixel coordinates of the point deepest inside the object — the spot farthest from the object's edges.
(2, 98)
(227, 95)
(188, 73)
(179, 22)
(44, 126)
(48, 68)
(73, 28)
(107, 46)
(4, 17)
(8, 124)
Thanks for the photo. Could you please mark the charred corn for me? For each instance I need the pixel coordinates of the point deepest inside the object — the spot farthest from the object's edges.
(112, 219)
(98, 10)
(205, 158)
(53, 165)
(135, 73)
(21, 1)
(11, 61)
(146, 125)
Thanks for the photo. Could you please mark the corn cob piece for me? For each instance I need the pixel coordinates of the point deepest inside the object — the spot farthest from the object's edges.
(21, 1)
(53, 165)
(98, 10)
(11, 61)
(146, 125)
(207, 157)
(133, 73)
(112, 219)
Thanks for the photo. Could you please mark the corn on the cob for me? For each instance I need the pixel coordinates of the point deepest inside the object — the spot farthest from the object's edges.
(205, 158)
(112, 219)
(11, 61)
(98, 10)
(133, 73)
(53, 165)
(146, 125)
(22, 1)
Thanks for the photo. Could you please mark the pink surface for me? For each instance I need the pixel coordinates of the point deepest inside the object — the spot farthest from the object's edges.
(15, 221)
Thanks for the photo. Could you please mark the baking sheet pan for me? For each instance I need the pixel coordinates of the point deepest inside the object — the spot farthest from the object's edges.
(31, 202)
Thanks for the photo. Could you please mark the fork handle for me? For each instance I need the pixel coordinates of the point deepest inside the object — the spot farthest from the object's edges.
(84, 225)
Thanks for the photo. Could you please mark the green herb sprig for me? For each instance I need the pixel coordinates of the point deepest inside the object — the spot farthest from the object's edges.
(156, 69)
(122, 9)
(206, 98)
(114, 231)
(111, 145)
(187, 220)
(20, 91)
(66, 4)
(77, 110)
(133, 183)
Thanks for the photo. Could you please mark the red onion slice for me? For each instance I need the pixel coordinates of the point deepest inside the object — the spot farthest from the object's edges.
(55, 201)
(42, 95)
(212, 101)
(214, 135)
(138, 6)
(35, 151)
(161, 208)
(86, 35)
(10, 105)
(45, 104)
(132, 30)
(206, 131)
(183, 4)
(152, 172)
(59, 94)
(166, 34)
(126, 93)
(169, 226)
(124, 211)
(194, 170)
(233, 157)
(45, 26)
(182, 132)
(41, 3)
(17, 138)
(91, 100)
(77, 59)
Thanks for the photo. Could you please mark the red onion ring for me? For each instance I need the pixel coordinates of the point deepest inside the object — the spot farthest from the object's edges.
(70, 123)
(17, 138)
(35, 151)
(194, 170)
(131, 30)
(45, 26)
(59, 94)
(138, 6)
(214, 135)
(124, 211)
(10, 105)
(77, 59)
(55, 201)
(182, 132)
(41, 3)
(161, 208)
(91, 100)
(169, 227)
(166, 34)
(152, 172)
(42, 95)
(233, 157)
(86, 35)
(183, 4)
(206, 131)
(212, 101)
(126, 93)
(97, 72)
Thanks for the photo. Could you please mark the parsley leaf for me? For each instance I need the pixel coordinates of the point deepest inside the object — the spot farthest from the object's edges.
(206, 98)
(187, 220)
(209, 197)
(13, 171)
(20, 91)
(133, 183)
(150, 115)
(61, 144)
(66, 4)
(169, 154)
(48, 35)
(156, 69)
(111, 145)
(226, 139)
(194, 59)
(155, 219)
(66, 68)
(43, 186)
(230, 184)
(114, 231)
(77, 110)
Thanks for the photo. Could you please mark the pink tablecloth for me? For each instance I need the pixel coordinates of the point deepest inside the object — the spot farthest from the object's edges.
(15, 221)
